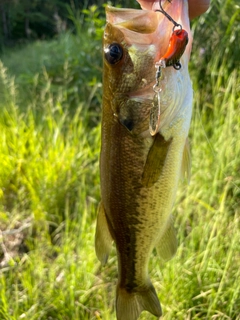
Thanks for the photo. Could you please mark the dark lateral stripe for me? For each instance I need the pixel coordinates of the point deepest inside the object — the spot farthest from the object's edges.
(155, 160)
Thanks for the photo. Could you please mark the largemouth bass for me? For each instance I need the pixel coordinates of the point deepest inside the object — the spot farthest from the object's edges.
(140, 172)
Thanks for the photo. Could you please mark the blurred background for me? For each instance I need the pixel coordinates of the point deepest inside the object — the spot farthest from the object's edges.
(39, 19)
(50, 115)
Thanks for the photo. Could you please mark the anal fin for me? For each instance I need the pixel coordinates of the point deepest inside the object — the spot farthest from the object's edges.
(103, 238)
(167, 246)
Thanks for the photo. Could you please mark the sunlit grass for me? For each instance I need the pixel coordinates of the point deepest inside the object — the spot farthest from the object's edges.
(49, 190)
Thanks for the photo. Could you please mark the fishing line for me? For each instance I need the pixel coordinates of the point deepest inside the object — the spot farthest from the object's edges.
(176, 25)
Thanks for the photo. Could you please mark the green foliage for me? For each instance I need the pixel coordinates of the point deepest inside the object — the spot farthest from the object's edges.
(49, 180)
(221, 26)
(43, 160)
(70, 65)
(30, 19)
(23, 21)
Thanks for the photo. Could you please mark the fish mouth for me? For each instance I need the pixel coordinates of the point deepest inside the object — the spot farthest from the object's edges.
(141, 27)
(137, 20)
(146, 27)
(141, 21)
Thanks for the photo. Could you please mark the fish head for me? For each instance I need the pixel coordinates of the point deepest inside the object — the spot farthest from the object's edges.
(128, 51)
(134, 40)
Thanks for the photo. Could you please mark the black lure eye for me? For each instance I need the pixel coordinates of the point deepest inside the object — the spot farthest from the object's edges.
(113, 53)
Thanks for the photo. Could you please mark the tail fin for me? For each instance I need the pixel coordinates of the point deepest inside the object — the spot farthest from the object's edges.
(129, 305)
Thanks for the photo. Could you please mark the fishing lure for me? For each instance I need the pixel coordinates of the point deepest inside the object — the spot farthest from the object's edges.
(177, 44)
(176, 48)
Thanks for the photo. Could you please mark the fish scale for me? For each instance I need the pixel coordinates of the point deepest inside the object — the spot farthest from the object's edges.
(139, 173)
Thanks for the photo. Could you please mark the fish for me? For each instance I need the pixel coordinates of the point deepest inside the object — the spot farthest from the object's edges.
(140, 172)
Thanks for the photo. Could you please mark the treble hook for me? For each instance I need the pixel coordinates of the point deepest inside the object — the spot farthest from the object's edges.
(168, 16)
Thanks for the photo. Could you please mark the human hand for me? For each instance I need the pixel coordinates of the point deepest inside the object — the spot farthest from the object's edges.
(196, 7)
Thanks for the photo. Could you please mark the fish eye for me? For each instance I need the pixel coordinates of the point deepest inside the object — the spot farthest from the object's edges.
(113, 53)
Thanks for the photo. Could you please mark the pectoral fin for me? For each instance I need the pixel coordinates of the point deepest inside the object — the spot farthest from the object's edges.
(186, 162)
(155, 160)
(103, 238)
(167, 246)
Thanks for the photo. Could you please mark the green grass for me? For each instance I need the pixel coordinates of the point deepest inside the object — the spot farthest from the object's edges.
(71, 64)
(49, 188)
